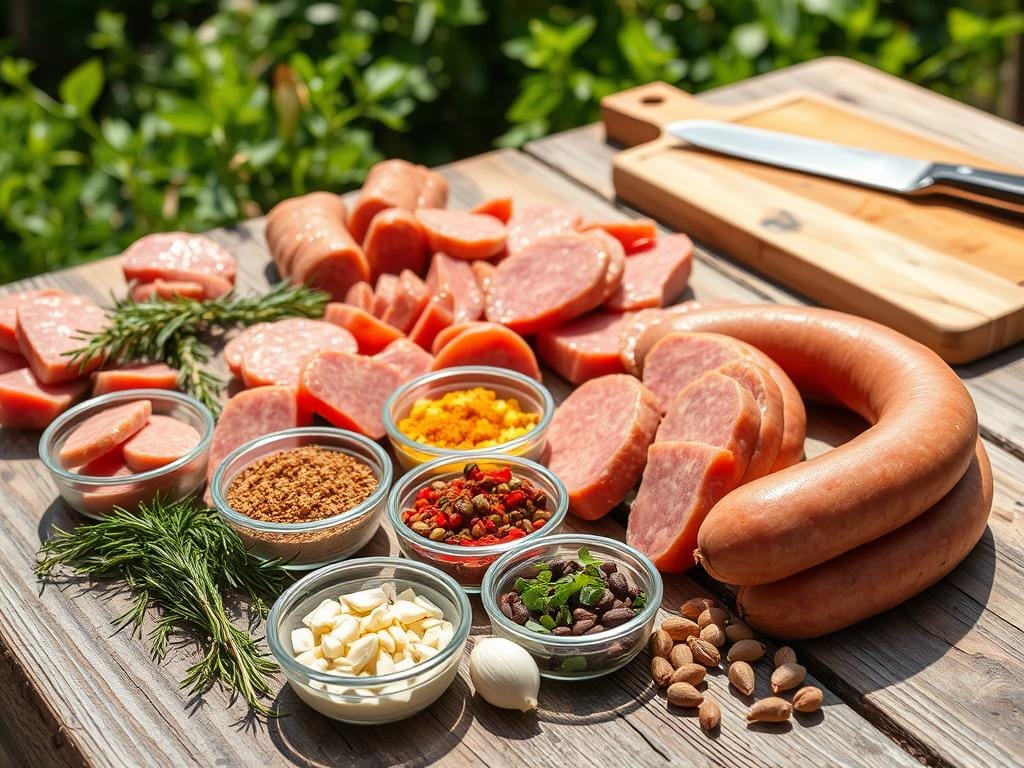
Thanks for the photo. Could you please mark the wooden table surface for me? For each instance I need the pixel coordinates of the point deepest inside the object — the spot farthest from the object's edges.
(938, 680)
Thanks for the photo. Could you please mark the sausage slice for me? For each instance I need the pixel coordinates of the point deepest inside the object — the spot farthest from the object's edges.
(463, 235)
(348, 390)
(162, 441)
(26, 403)
(488, 344)
(103, 432)
(51, 326)
(584, 348)
(655, 277)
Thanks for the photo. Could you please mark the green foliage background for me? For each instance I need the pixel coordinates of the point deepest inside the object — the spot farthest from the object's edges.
(192, 114)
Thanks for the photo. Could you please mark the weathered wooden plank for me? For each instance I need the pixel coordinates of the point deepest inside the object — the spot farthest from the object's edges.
(118, 708)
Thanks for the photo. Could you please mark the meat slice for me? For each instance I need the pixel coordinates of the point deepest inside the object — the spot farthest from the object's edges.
(348, 390)
(138, 376)
(433, 189)
(768, 397)
(162, 441)
(534, 222)
(681, 358)
(584, 348)
(395, 241)
(168, 289)
(330, 260)
(488, 344)
(598, 442)
(25, 403)
(371, 334)
(616, 262)
(456, 278)
(410, 359)
(9, 304)
(718, 410)
(181, 256)
(360, 295)
(463, 235)
(640, 322)
(452, 331)
(681, 483)
(51, 326)
(395, 184)
(655, 277)
(636, 235)
(498, 207)
(277, 352)
(234, 350)
(410, 298)
(436, 316)
(384, 294)
(11, 361)
(290, 223)
(548, 283)
(103, 432)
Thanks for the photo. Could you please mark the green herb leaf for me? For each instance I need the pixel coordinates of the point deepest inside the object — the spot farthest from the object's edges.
(563, 617)
(586, 558)
(521, 585)
(544, 576)
(533, 626)
(535, 598)
(573, 664)
(640, 602)
(591, 594)
(547, 621)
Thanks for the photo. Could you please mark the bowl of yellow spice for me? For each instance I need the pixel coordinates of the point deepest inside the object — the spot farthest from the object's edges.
(460, 411)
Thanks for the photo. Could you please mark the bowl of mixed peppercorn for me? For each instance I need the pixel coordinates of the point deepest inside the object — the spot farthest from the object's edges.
(461, 515)
(583, 606)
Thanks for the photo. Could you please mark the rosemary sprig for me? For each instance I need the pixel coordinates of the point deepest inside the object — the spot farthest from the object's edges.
(171, 331)
(181, 558)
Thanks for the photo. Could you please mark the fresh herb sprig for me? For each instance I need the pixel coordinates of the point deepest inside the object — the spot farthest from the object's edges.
(171, 331)
(181, 558)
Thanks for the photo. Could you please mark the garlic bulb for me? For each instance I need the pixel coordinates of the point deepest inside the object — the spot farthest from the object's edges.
(504, 674)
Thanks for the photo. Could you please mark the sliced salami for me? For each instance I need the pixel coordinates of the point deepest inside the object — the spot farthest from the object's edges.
(370, 334)
(348, 390)
(436, 316)
(456, 278)
(498, 207)
(616, 262)
(139, 376)
(395, 184)
(768, 397)
(9, 304)
(360, 295)
(411, 297)
(181, 256)
(11, 361)
(384, 294)
(277, 353)
(534, 222)
(488, 344)
(395, 241)
(168, 289)
(103, 432)
(681, 358)
(409, 358)
(49, 327)
(584, 348)
(655, 277)
(162, 441)
(234, 350)
(636, 235)
(25, 403)
(463, 235)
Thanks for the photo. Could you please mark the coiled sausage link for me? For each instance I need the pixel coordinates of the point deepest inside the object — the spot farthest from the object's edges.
(924, 427)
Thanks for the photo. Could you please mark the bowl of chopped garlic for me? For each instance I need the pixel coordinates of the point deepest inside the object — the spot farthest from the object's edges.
(372, 640)
(468, 409)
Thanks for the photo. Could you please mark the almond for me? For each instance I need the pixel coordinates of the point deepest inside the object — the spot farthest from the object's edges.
(739, 631)
(709, 715)
(661, 643)
(807, 699)
(688, 673)
(685, 695)
(679, 628)
(741, 675)
(787, 677)
(785, 655)
(770, 710)
(713, 615)
(714, 635)
(661, 671)
(680, 655)
(704, 652)
(695, 606)
(746, 650)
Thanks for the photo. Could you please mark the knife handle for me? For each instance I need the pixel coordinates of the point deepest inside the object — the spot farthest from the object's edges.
(1004, 191)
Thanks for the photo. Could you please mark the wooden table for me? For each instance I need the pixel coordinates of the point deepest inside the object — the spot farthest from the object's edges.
(938, 680)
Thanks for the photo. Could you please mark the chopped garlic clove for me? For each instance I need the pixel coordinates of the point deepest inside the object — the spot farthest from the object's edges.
(406, 594)
(366, 600)
(445, 637)
(406, 662)
(397, 691)
(379, 618)
(322, 619)
(309, 657)
(431, 636)
(320, 665)
(398, 635)
(331, 646)
(432, 609)
(302, 640)
(424, 652)
(385, 664)
(431, 623)
(346, 629)
(362, 651)
(387, 642)
(408, 612)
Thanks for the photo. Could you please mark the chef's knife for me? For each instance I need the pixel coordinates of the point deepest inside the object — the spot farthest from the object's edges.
(880, 170)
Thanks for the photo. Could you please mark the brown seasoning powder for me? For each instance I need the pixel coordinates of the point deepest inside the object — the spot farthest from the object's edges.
(301, 485)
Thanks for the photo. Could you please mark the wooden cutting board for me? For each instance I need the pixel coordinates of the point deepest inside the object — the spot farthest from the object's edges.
(944, 274)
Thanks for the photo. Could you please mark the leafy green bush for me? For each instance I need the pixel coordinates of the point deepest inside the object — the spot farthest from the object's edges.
(189, 125)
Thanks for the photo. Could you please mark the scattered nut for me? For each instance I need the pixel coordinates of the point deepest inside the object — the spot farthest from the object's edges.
(661, 671)
(680, 655)
(714, 634)
(689, 673)
(770, 710)
(746, 650)
(787, 677)
(785, 655)
(709, 715)
(713, 615)
(661, 644)
(704, 652)
(679, 628)
(685, 695)
(695, 606)
(741, 675)
(739, 631)
(807, 699)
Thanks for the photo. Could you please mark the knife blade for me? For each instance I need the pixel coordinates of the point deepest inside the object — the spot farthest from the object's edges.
(865, 167)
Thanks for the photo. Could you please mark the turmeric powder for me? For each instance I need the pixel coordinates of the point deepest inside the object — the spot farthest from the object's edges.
(467, 419)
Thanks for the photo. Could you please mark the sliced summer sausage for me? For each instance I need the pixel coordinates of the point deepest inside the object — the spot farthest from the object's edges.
(291, 223)
(276, 353)
(598, 442)
(360, 295)
(768, 396)
(410, 298)
(436, 316)
(395, 184)
(9, 304)
(409, 358)
(616, 262)
(103, 432)
(656, 277)
(234, 350)
(635, 234)
(181, 256)
(395, 241)
(462, 235)
(498, 207)
(163, 440)
(11, 361)
(453, 330)
(138, 376)
(682, 482)
(49, 327)
(681, 358)
(26, 403)
(533, 222)
(488, 344)
(384, 294)
(640, 322)
(548, 283)
(348, 390)
(330, 260)
(456, 278)
(370, 333)
(584, 348)
(168, 289)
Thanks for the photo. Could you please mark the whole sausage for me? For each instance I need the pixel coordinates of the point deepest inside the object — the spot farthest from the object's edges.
(874, 577)
(924, 427)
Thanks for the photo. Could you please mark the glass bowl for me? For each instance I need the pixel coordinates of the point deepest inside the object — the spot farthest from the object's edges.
(308, 545)
(531, 394)
(376, 699)
(571, 657)
(467, 565)
(95, 495)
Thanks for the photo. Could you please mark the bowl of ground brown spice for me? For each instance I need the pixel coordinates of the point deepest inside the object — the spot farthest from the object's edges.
(310, 496)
